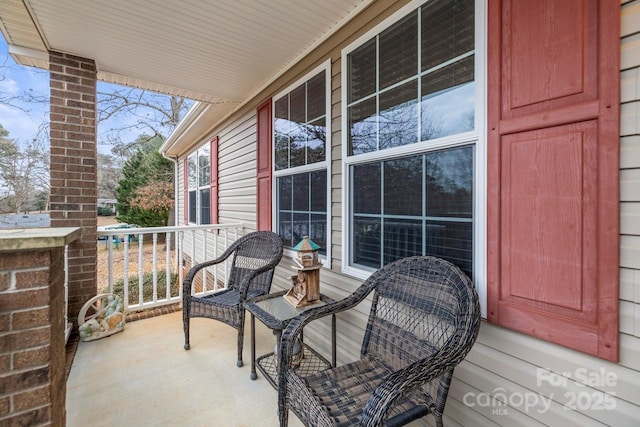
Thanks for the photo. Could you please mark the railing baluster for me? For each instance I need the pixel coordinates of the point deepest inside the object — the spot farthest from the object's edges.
(140, 268)
(126, 274)
(212, 274)
(226, 270)
(110, 263)
(180, 242)
(215, 255)
(204, 258)
(167, 264)
(155, 267)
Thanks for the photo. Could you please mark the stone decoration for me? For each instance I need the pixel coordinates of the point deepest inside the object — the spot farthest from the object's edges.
(100, 317)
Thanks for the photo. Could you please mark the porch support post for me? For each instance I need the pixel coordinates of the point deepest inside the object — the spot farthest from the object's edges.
(73, 166)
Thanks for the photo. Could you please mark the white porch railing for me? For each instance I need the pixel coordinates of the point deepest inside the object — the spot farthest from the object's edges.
(137, 258)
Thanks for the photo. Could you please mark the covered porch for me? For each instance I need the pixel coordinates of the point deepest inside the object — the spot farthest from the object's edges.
(143, 376)
(237, 58)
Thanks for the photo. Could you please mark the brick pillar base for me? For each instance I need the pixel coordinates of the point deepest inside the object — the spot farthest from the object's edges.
(73, 200)
(32, 352)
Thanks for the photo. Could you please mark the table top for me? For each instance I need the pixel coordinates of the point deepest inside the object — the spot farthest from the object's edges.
(275, 311)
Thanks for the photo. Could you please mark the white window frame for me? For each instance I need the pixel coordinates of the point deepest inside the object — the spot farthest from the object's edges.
(325, 165)
(195, 155)
(476, 138)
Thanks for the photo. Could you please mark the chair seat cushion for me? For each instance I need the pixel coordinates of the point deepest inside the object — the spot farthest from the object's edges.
(337, 397)
(222, 305)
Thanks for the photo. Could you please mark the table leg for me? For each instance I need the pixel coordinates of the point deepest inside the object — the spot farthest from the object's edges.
(253, 347)
(333, 340)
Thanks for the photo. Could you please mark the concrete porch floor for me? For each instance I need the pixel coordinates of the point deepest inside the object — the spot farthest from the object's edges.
(143, 377)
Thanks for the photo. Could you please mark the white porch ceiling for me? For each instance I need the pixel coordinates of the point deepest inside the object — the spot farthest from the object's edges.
(216, 51)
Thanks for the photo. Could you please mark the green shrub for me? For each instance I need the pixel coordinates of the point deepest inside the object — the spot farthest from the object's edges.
(147, 286)
(104, 211)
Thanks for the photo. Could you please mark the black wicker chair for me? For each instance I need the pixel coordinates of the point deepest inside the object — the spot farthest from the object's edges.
(424, 318)
(255, 256)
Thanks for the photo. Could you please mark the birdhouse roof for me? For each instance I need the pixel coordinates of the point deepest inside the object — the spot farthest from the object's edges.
(306, 245)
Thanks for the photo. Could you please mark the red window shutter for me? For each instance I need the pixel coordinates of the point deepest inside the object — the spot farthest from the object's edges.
(186, 191)
(213, 152)
(553, 130)
(263, 208)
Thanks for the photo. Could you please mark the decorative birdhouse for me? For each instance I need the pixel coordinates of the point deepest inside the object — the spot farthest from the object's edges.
(307, 255)
(305, 286)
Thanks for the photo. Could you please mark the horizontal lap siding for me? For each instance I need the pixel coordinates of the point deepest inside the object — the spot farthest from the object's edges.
(507, 362)
(502, 361)
(238, 172)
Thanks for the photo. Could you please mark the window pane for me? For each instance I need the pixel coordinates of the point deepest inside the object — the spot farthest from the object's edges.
(318, 231)
(366, 247)
(316, 98)
(399, 51)
(192, 171)
(205, 207)
(316, 141)
(453, 242)
(447, 30)
(318, 191)
(300, 125)
(362, 71)
(192, 206)
(367, 188)
(300, 227)
(363, 127)
(403, 186)
(281, 151)
(298, 145)
(402, 238)
(297, 106)
(281, 115)
(204, 161)
(284, 193)
(285, 228)
(399, 116)
(301, 192)
(296, 220)
(450, 183)
(448, 100)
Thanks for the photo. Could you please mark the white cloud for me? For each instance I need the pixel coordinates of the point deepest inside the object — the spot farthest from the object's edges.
(9, 86)
(20, 125)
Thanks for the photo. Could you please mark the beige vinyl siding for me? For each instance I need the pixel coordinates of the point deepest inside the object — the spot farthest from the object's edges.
(503, 365)
(237, 172)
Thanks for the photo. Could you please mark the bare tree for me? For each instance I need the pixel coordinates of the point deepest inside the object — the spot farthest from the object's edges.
(24, 171)
(19, 99)
(137, 112)
(109, 173)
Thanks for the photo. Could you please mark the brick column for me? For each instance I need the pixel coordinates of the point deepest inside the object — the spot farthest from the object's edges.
(32, 352)
(73, 200)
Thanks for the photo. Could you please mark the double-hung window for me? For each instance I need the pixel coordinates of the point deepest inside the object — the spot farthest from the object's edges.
(199, 190)
(411, 138)
(301, 159)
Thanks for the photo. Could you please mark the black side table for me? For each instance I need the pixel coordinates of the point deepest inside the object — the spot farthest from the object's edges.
(275, 313)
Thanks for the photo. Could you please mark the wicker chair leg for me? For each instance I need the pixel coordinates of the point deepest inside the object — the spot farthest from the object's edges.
(185, 325)
(240, 338)
(284, 417)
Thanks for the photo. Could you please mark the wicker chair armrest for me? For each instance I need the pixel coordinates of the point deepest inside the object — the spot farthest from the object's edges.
(188, 280)
(402, 381)
(294, 328)
(246, 281)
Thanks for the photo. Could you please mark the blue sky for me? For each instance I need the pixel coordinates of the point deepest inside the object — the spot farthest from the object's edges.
(23, 126)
